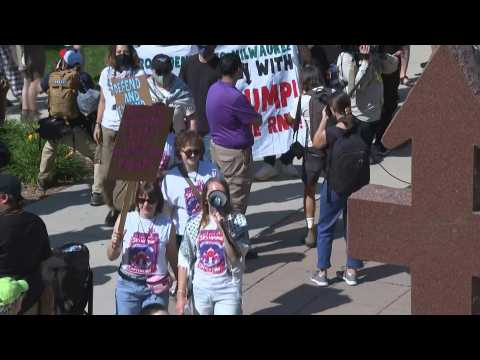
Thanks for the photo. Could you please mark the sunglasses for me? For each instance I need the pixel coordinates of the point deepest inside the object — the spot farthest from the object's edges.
(191, 152)
(150, 201)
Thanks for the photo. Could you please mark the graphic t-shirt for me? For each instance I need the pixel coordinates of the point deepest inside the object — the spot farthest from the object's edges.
(181, 198)
(110, 119)
(205, 247)
(144, 245)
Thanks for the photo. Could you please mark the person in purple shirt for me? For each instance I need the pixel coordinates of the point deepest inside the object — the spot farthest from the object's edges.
(230, 117)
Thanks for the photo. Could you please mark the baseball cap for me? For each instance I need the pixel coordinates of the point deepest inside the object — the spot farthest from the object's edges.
(73, 57)
(11, 290)
(10, 185)
(62, 52)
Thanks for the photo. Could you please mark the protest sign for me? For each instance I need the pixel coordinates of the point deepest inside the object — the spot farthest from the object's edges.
(178, 54)
(130, 91)
(139, 148)
(270, 82)
(140, 141)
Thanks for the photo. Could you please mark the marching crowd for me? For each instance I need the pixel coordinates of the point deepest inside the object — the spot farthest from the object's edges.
(186, 234)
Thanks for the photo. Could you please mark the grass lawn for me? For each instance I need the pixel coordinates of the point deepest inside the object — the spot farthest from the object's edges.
(95, 56)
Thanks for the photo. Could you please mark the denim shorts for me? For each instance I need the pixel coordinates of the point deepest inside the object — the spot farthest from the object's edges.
(131, 297)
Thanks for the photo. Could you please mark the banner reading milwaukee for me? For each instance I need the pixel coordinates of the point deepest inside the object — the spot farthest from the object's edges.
(270, 82)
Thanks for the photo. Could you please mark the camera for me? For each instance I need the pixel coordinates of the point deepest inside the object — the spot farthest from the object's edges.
(219, 201)
(375, 50)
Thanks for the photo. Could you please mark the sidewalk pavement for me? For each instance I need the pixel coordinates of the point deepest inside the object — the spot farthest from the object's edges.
(277, 282)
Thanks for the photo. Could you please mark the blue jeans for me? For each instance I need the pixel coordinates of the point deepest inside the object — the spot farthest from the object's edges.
(226, 301)
(206, 144)
(132, 297)
(329, 214)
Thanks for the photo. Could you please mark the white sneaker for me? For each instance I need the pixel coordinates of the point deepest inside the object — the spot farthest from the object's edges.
(289, 170)
(266, 172)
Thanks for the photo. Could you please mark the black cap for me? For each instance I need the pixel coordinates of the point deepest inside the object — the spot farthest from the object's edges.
(10, 185)
(162, 64)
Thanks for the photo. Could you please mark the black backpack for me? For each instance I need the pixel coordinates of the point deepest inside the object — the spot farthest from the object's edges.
(349, 164)
(68, 271)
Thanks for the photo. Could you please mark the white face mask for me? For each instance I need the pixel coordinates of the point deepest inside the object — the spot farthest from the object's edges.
(159, 79)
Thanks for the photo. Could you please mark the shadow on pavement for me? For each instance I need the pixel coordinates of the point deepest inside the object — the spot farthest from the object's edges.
(266, 260)
(380, 272)
(306, 299)
(266, 218)
(276, 194)
(89, 234)
(101, 274)
(60, 201)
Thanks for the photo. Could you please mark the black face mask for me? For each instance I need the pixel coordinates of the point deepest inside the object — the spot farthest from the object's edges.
(123, 61)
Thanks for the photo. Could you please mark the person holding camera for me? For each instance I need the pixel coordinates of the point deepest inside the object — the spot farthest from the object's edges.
(360, 71)
(211, 258)
(333, 205)
(122, 62)
(183, 184)
(147, 246)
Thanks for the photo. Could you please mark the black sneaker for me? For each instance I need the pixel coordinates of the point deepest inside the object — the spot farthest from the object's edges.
(111, 218)
(96, 199)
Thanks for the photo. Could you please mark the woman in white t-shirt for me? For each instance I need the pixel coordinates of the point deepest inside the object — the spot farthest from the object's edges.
(212, 255)
(313, 159)
(182, 199)
(122, 62)
(147, 244)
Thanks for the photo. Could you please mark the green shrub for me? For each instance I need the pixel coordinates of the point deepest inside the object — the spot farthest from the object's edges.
(23, 143)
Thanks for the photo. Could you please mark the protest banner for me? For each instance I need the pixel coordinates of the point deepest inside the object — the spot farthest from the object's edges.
(178, 53)
(130, 91)
(139, 147)
(270, 82)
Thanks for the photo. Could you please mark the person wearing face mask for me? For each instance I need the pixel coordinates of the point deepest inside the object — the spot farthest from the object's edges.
(170, 90)
(122, 62)
(199, 72)
(183, 184)
(212, 255)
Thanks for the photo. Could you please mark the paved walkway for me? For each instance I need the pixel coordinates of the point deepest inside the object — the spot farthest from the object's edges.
(277, 282)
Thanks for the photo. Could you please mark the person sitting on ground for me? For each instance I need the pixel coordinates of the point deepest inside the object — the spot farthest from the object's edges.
(24, 247)
(331, 209)
(167, 88)
(215, 244)
(80, 138)
(184, 183)
(154, 309)
(146, 248)
(12, 293)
